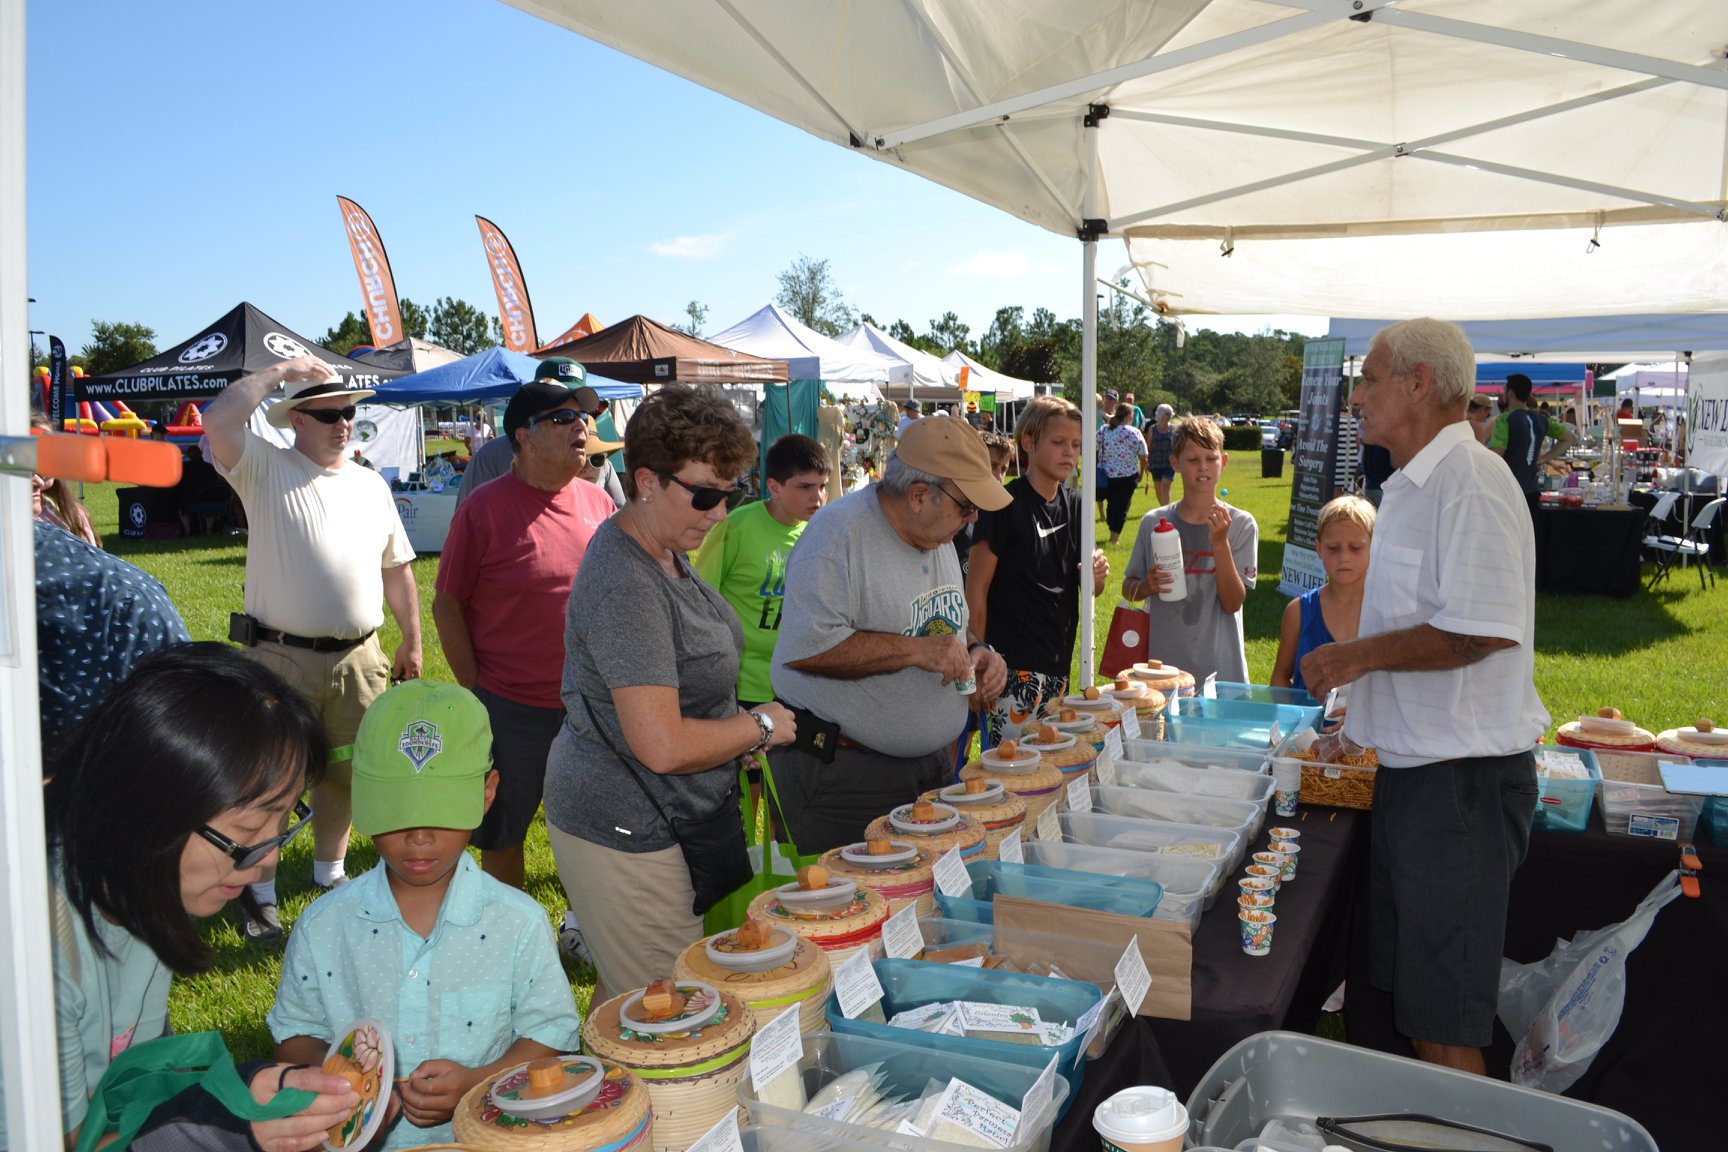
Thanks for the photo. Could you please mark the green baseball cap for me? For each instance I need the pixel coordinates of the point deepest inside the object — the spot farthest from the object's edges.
(421, 758)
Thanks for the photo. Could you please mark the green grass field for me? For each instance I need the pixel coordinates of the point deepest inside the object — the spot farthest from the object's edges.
(1650, 655)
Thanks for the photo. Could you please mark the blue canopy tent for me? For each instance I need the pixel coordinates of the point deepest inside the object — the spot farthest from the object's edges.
(488, 376)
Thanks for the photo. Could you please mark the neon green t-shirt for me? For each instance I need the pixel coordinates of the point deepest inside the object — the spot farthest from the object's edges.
(1497, 438)
(744, 559)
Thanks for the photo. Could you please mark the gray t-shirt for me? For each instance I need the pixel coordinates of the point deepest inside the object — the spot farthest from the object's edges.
(493, 460)
(1196, 634)
(630, 624)
(851, 572)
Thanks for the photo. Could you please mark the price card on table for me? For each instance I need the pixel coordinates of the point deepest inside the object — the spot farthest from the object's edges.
(1080, 795)
(1130, 724)
(778, 1045)
(1174, 707)
(902, 939)
(1113, 743)
(723, 1137)
(1133, 981)
(1274, 735)
(976, 1112)
(1010, 849)
(855, 984)
(1106, 768)
(1040, 1095)
(1210, 688)
(1049, 825)
(1091, 1022)
(952, 879)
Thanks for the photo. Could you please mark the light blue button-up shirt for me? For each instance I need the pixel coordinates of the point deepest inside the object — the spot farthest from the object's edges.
(486, 977)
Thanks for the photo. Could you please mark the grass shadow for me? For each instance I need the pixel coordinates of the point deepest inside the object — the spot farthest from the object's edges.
(1603, 626)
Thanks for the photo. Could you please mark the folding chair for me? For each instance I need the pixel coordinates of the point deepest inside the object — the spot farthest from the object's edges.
(1692, 542)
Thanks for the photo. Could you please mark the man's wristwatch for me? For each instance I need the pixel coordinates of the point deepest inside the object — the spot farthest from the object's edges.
(766, 724)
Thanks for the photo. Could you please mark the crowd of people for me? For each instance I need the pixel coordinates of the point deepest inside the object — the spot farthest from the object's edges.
(626, 658)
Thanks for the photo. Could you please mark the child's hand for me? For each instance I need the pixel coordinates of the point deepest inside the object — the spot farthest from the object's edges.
(1218, 524)
(432, 1091)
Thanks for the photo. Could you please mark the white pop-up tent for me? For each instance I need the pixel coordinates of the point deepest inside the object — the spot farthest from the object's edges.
(927, 371)
(982, 379)
(848, 371)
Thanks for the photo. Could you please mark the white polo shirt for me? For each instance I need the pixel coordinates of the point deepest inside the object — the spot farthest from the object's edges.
(1453, 548)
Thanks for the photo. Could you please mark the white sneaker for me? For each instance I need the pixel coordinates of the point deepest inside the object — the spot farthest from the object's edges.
(570, 941)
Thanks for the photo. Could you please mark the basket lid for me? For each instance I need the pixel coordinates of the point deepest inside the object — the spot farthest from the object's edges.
(607, 1035)
(620, 1109)
(808, 965)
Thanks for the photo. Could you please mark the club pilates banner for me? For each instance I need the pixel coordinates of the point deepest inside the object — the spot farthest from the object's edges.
(514, 310)
(1313, 459)
(377, 285)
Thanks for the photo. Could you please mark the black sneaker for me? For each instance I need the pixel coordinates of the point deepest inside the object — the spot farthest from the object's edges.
(259, 922)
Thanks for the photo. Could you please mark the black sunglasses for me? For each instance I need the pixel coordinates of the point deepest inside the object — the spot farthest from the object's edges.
(558, 416)
(702, 497)
(249, 855)
(330, 415)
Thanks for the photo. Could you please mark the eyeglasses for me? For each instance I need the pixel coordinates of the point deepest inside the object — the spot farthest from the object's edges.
(250, 855)
(966, 508)
(330, 415)
(702, 497)
(558, 416)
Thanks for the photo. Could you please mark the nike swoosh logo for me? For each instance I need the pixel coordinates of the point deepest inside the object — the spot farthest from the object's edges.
(1053, 528)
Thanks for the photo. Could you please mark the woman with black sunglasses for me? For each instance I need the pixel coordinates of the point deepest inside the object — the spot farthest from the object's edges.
(642, 780)
(164, 804)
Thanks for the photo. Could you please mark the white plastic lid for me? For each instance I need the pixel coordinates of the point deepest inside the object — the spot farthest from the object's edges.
(1142, 1115)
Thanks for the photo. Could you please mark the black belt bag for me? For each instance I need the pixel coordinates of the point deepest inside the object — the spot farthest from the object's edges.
(715, 853)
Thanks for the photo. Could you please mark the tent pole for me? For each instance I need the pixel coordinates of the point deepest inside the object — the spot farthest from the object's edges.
(1092, 225)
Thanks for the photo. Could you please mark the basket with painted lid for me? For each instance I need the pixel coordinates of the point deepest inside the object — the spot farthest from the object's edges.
(963, 832)
(688, 1042)
(997, 808)
(1605, 730)
(1167, 678)
(903, 875)
(839, 932)
(617, 1119)
(1701, 740)
(802, 979)
(1037, 789)
(1067, 753)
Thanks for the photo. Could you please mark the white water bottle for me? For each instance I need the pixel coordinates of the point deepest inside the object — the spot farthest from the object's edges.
(1167, 558)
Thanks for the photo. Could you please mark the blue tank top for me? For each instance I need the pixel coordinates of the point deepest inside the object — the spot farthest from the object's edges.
(1312, 634)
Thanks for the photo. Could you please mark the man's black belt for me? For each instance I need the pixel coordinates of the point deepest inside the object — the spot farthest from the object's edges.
(315, 643)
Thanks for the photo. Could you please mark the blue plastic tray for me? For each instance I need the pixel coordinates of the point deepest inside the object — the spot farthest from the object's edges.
(1124, 895)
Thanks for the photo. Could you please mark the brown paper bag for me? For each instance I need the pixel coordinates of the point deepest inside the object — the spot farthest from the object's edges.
(1031, 927)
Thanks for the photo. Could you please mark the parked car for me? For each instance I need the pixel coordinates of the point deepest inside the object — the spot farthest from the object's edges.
(1269, 434)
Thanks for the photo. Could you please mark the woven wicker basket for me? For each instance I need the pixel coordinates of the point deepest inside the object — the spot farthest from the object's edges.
(1073, 763)
(1038, 789)
(618, 1120)
(1573, 735)
(968, 835)
(913, 882)
(692, 1077)
(803, 980)
(998, 819)
(1672, 742)
(841, 933)
(1178, 685)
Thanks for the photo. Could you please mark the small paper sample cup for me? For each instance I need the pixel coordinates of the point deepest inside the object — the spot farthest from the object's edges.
(1267, 872)
(1247, 900)
(1272, 860)
(1289, 849)
(1256, 925)
(1290, 835)
(1147, 1119)
(1287, 786)
(1257, 885)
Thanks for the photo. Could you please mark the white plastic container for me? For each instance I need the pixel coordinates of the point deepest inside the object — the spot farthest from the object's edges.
(1242, 817)
(1173, 776)
(1190, 886)
(1167, 558)
(1176, 841)
(1634, 803)
(1194, 755)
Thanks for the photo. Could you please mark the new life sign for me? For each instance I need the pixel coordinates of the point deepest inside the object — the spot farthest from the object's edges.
(1314, 460)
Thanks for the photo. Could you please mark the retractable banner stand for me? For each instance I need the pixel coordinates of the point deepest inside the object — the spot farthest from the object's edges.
(1707, 413)
(1314, 460)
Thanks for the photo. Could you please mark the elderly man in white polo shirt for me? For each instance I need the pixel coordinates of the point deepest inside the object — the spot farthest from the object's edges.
(326, 552)
(1443, 687)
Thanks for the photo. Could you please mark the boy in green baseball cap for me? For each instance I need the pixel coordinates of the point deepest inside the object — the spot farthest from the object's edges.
(460, 969)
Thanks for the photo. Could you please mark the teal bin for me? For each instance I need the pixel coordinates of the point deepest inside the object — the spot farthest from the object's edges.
(1264, 694)
(1715, 818)
(908, 984)
(1124, 895)
(1290, 717)
(1563, 803)
(1253, 735)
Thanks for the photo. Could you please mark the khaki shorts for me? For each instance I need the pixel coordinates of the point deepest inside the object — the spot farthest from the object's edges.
(634, 907)
(340, 686)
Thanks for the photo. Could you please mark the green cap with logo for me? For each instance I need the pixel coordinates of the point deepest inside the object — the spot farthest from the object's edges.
(421, 758)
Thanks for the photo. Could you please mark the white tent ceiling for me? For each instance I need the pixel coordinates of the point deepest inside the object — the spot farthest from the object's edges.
(1354, 157)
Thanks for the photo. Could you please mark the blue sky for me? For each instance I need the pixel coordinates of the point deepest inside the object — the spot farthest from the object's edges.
(184, 156)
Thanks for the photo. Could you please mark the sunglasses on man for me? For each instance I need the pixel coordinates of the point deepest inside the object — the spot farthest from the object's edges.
(562, 417)
(702, 497)
(251, 855)
(330, 415)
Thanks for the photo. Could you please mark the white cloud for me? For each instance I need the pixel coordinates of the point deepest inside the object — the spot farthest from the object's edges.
(692, 247)
(988, 263)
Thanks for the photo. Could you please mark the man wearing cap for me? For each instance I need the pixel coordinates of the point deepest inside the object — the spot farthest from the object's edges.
(494, 457)
(503, 580)
(326, 550)
(911, 411)
(874, 647)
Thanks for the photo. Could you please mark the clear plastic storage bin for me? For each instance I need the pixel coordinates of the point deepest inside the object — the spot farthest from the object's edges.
(1634, 803)
(908, 1068)
(1225, 783)
(1265, 694)
(908, 984)
(1715, 814)
(1249, 735)
(1178, 841)
(1564, 803)
(1123, 895)
(1290, 717)
(1164, 753)
(1240, 816)
(1190, 886)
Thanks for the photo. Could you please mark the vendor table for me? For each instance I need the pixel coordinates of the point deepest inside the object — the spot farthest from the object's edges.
(1237, 995)
(1662, 1066)
(426, 517)
(1595, 550)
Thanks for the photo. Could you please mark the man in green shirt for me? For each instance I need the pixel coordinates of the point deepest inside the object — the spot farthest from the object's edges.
(744, 558)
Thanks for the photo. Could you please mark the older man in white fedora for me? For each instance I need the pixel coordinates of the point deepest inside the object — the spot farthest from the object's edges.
(326, 551)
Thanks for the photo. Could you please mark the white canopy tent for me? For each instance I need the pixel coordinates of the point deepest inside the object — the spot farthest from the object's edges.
(849, 371)
(926, 371)
(982, 379)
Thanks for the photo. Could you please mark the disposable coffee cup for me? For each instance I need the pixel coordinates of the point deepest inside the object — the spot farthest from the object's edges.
(1256, 925)
(1286, 786)
(967, 684)
(1290, 850)
(1147, 1119)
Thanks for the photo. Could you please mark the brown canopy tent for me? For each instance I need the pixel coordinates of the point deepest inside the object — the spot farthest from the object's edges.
(640, 351)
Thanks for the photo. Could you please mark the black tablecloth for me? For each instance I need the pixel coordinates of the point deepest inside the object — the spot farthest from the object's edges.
(1593, 550)
(1682, 514)
(1237, 995)
(1662, 1066)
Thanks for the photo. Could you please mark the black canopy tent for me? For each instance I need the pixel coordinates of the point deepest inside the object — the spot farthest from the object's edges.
(241, 342)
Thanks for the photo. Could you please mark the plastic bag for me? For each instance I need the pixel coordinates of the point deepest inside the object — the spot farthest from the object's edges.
(1562, 1009)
